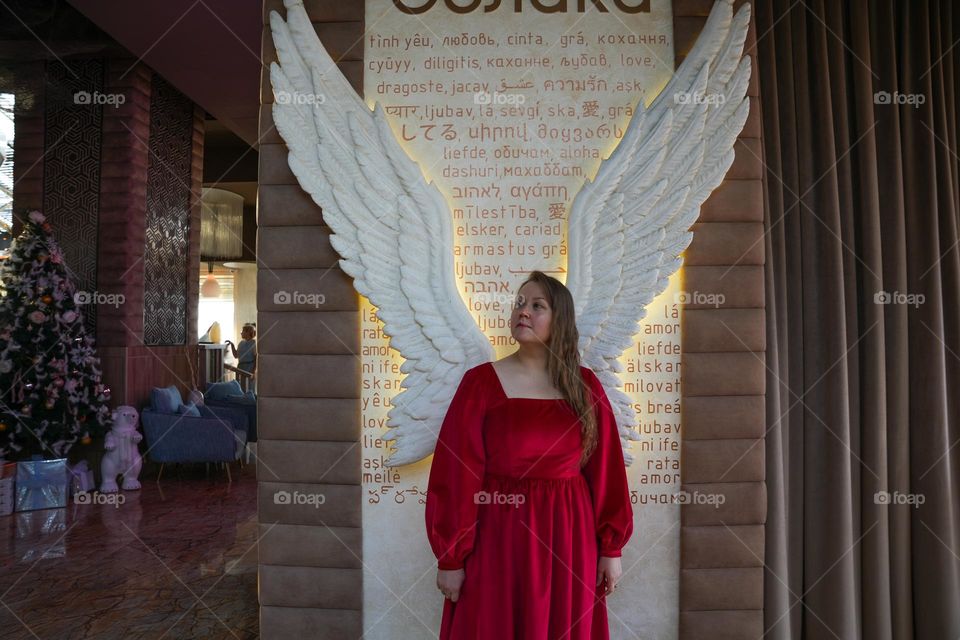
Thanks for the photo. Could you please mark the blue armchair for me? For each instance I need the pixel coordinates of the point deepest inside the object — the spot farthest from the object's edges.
(237, 412)
(175, 437)
(229, 396)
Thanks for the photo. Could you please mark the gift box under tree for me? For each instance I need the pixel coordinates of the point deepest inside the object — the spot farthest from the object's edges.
(81, 478)
(42, 484)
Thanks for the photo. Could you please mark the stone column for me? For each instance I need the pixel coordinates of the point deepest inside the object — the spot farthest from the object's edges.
(723, 385)
(311, 574)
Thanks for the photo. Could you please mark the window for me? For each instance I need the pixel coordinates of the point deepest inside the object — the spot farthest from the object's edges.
(6, 172)
(219, 308)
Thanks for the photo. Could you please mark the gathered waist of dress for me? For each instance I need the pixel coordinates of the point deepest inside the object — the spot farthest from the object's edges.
(497, 479)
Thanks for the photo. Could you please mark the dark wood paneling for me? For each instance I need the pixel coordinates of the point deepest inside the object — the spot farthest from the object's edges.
(123, 204)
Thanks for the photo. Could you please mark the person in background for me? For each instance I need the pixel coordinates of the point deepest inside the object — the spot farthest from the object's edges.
(246, 355)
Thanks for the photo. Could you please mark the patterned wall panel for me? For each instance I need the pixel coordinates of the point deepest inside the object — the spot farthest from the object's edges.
(168, 216)
(73, 115)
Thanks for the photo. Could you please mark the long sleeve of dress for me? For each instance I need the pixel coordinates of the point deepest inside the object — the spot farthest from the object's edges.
(607, 477)
(457, 475)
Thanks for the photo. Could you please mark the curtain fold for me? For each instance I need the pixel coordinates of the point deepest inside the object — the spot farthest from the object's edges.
(859, 103)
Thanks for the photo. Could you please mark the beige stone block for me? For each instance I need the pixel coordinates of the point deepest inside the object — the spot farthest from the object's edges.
(723, 330)
(723, 374)
(734, 201)
(718, 589)
(339, 505)
(308, 376)
(330, 419)
(317, 587)
(308, 332)
(306, 546)
(740, 460)
(710, 417)
(741, 503)
(719, 546)
(316, 290)
(725, 243)
(302, 247)
(745, 624)
(283, 623)
(308, 462)
(286, 205)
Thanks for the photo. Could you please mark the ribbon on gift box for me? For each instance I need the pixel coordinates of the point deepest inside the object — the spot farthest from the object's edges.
(81, 478)
(41, 484)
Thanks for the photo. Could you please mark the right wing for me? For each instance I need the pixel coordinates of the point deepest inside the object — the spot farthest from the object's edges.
(630, 224)
(392, 229)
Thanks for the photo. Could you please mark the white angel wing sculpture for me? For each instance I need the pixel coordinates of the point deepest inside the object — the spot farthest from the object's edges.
(629, 225)
(394, 230)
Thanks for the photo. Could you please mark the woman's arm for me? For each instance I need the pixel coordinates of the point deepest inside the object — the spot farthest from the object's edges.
(607, 477)
(457, 475)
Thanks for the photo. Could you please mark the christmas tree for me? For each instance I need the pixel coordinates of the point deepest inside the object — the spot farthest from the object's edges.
(51, 395)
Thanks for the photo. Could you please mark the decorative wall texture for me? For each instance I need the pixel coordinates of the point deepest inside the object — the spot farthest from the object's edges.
(71, 173)
(168, 216)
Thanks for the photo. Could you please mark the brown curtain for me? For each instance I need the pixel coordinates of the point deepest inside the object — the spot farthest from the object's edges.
(863, 317)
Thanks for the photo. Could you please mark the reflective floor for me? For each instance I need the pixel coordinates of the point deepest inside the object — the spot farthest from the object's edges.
(174, 561)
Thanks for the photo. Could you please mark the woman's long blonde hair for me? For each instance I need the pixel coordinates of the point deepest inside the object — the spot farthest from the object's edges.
(563, 359)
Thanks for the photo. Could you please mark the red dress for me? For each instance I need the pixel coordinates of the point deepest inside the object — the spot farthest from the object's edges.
(508, 503)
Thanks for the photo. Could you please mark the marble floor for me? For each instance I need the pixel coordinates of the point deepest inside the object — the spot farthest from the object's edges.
(177, 560)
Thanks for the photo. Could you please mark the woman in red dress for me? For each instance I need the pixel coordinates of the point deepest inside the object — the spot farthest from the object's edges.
(527, 502)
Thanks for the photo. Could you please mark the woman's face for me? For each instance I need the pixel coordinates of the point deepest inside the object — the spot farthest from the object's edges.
(531, 316)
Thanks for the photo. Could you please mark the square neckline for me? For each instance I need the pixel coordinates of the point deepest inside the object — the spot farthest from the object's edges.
(503, 393)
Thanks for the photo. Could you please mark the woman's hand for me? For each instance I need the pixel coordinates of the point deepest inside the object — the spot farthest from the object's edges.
(449, 583)
(609, 570)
